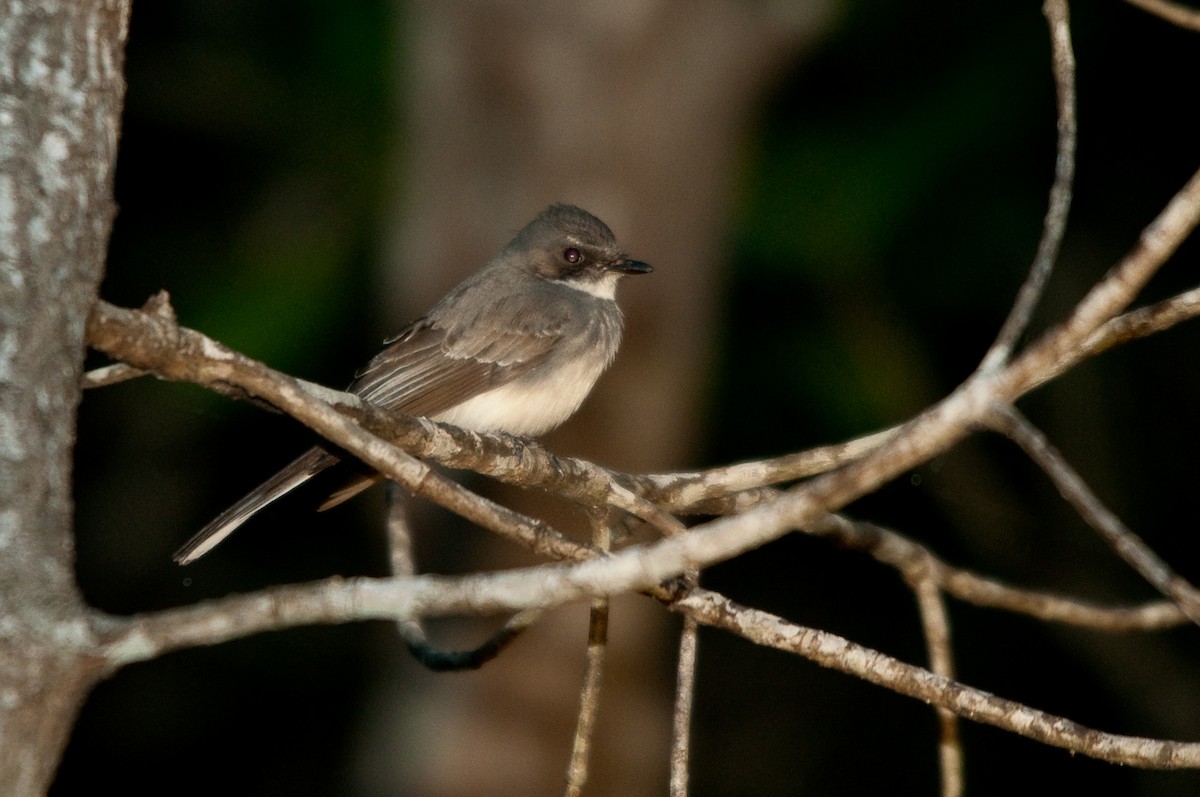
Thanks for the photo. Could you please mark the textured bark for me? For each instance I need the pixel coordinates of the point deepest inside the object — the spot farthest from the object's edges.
(61, 89)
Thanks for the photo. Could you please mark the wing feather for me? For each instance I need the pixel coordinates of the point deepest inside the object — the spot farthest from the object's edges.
(430, 368)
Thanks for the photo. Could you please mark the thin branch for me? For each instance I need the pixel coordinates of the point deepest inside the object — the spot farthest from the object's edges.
(642, 568)
(936, 624)
(681, 716)
(684, 490)
(589, 693)
(1055, 224)
(838, 653)
(589, 698)
(401, 560)
(1157, 242)
(898, 551)
(110, 375)
(730, 489)
(1145, 321)
(1172, 12)
(1075, 491)
(399, 534)
(153, 340)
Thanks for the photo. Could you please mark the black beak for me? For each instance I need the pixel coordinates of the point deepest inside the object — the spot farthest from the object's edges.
(632, 267)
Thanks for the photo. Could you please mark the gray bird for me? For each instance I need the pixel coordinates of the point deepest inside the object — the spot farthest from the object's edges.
(516, 347)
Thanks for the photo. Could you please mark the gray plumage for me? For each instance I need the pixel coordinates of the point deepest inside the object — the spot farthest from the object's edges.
(516, 347)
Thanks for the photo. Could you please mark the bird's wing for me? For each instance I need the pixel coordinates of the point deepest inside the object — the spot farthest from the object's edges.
(428, 369)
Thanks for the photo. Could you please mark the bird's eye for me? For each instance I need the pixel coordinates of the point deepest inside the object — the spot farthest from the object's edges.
(572, 255)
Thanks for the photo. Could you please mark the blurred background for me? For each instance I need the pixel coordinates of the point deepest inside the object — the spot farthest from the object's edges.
(840, 199)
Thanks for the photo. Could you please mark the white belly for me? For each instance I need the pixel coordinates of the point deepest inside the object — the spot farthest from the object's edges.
(532, 405)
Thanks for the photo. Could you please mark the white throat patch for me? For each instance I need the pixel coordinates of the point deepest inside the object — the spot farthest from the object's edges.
(603, 288)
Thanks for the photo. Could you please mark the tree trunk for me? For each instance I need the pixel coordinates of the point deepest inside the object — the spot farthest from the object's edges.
(61, 89)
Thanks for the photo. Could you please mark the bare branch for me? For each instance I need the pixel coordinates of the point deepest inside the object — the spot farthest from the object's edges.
(936, 624)
(1171, 12)
(1145, 321)
(642, 568)
(593, 670)
(838, 653)
(411, 630)
(1075, 491)
(684, 490)
(110, 375)
(1055, 224)
(1117, 290)
(338, 600)
(905, 555)
(681, 716)
(731, 488)
(589, 698)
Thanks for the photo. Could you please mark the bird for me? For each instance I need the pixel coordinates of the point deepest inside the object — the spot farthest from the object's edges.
(516, 347)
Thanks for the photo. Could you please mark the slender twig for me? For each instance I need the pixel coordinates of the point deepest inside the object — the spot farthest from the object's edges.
(110, 375)
(1075, 491)
(684, 490)
(1055, 224)
(838, 653)
(732, 488)
(1108, 298)
(589, 698)
(593, 670)
(906, 555)
(1172, 12)
(685, 695)
(401, 560)
(936, 624)
(400, 547)
(1145, 321)
(681, 717)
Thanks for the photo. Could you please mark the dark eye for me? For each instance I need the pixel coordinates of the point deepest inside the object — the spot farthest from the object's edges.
(572, 255)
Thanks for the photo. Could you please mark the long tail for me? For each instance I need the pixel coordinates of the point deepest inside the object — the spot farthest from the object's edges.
(307, 465)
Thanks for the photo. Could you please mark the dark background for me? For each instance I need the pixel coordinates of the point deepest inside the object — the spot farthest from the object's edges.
(890, 193)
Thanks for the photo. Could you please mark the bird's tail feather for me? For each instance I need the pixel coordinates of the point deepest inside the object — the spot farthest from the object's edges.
(353, 487)
(303, 468)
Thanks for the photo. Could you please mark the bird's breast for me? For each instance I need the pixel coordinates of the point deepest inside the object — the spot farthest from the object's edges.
(545, 397)
(531, 405)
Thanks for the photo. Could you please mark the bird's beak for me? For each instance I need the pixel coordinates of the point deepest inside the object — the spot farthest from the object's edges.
(632, 267)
